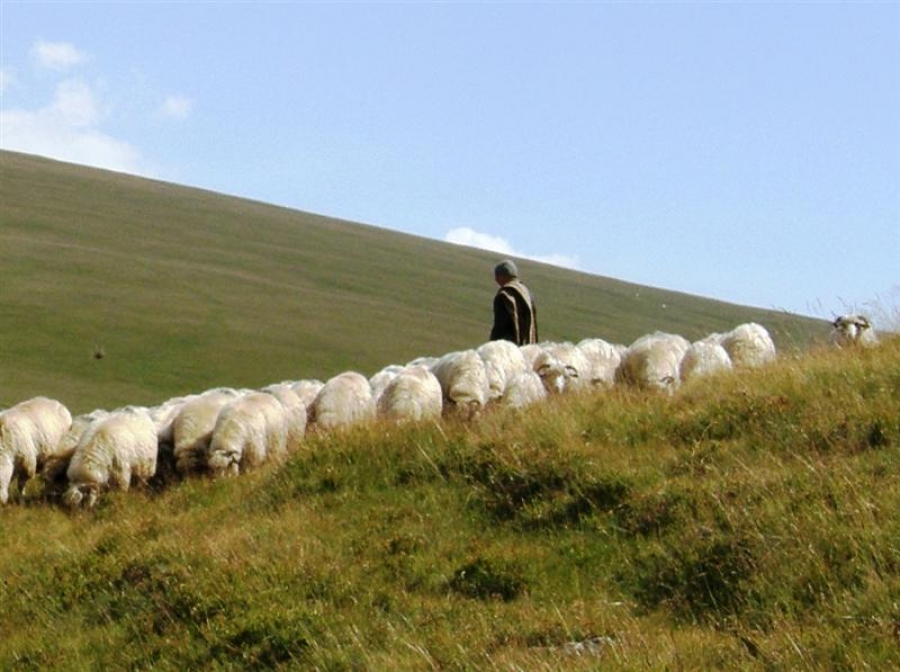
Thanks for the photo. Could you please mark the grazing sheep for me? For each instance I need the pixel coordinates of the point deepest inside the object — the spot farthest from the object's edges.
(703, 358)
(653, 361)
(523, 388)
(563, 367)
(748, 345)
(381, 379)
(29, 432)
(413, 394)
(307, 390)
(295, 412)
(193, 427)
(464, 383)
(604, 359)
(345, 400)
(54, 471)
(113, 450)
(853, 330)
(248, 431)
(501, 359)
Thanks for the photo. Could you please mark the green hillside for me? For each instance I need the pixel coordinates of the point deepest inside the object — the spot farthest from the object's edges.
(181, 290)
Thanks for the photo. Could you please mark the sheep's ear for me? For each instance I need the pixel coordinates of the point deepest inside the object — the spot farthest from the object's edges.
(863, 322)
(571, 371)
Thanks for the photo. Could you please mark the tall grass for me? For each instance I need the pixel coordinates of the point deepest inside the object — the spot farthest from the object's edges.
(749, 521)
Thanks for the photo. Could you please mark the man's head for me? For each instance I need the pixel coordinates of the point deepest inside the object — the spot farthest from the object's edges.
(505, 271)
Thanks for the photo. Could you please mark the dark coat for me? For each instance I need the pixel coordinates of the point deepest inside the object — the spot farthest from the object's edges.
(515, 315)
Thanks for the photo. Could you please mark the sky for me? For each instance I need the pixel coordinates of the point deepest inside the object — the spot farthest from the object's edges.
(743, 151)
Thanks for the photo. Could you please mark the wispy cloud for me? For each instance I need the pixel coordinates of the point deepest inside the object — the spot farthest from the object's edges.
(68, 129)
(177, 107)
(58, 56)
(485, 241)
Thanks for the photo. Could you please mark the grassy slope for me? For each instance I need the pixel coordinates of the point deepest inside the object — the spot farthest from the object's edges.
(184, 290)
(748, 522)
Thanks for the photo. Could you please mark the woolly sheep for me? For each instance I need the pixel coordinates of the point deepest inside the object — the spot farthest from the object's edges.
(523, 388)
(748, 345)
(54, 471)
(563, 367)
(464, 383)
(853, 330)
(248, 431)
(501, 360)
(345, 400)
(413, 394)
(307, 390)
(193, 426)
(295, 412)
(604, 359)
(29, 433)
(381, 379)
(653, 362)
(113, 450)
(704, 357)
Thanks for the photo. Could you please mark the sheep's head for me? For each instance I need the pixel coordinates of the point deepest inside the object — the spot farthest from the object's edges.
(81, 494)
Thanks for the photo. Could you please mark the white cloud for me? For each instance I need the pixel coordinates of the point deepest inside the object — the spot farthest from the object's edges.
(177, 107)
(57, 55)
(68, 130)
(485, 241)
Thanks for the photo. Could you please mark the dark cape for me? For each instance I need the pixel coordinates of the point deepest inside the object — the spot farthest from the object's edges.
(515, 316)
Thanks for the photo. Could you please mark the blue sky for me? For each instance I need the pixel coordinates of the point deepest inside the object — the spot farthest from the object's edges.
(746, 151)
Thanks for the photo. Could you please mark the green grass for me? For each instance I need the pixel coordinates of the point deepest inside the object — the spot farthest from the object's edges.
(183, 290)
(747, 522)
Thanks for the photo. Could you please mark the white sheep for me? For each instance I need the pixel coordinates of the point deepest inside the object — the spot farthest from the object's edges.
(296, 413)
(249, 430)
(54, 471)
(464, 383)
(853, 330)
(563, 367)
(344, 400)
(653, 362)
(412, 394)
(29, 433)
(114, 449)
(381, 379)
(604, 359)
(501, 359)
(523, 388)
(193, 426)
(748, 345)
(704, 357)
(307, 390)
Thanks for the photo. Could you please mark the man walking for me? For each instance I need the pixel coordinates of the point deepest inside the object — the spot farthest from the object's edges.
(515, 316)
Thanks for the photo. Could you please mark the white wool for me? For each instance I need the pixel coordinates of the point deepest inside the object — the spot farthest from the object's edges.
(523, 388)
(29, 432)
(344, 400)
(57, 463)
(563, 367)
(307, 390)
(748, 345)
(653, 362)
(464, 383)
(164, 417)
(852, 330)
(703, 358)
(295, 412)
(413, 394)
(530, 351)
(425, 361)
(248, 431)
(501, 359)
(604, 359)
(114, 449)
(193, 427)
(381, 379)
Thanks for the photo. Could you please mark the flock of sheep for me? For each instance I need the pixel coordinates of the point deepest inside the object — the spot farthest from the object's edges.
(227, 431)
